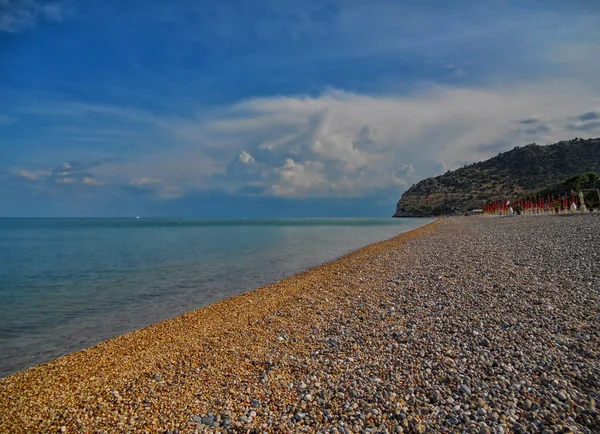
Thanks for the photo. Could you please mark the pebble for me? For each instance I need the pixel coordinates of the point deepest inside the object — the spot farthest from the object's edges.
(502, 313)
(208, 420)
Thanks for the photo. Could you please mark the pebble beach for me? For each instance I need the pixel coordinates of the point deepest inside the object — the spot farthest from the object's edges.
(471, 324)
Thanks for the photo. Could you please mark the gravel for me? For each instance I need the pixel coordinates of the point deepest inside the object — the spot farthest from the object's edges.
(476, 325)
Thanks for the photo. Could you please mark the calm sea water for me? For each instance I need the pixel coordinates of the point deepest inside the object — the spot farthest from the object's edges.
(66, 284)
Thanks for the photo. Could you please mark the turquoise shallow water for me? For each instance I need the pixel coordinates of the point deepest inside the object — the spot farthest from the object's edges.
(66, 284)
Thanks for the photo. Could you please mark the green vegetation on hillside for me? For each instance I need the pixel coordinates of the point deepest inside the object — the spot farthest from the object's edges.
(589, 180)
(517, 173)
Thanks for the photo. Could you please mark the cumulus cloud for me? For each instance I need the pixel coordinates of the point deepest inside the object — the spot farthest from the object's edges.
(347, 144)
(245, 158)
(20, 15)
(404, 172)
(299, 179)
(338, 143)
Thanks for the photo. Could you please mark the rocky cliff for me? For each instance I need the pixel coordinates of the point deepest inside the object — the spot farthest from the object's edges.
(514, 173)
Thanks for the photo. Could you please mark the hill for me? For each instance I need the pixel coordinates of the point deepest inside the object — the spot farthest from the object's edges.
(518, 172)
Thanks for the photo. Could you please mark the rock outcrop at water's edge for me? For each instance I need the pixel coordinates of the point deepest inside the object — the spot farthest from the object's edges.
(518, 172)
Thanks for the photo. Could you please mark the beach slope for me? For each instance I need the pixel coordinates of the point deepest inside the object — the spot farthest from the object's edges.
(475, 324)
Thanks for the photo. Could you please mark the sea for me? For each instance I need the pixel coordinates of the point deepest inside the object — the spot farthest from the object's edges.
(67, 284)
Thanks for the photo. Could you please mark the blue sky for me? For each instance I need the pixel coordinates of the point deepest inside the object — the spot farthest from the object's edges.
(277, 108)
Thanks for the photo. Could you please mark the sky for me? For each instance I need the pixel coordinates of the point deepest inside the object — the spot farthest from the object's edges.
(270, 108)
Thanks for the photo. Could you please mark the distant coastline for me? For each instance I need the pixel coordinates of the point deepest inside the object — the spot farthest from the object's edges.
(511, 175)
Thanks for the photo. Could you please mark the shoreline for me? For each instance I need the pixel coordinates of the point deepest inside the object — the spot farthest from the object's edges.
(474, 325)
(109, 365)
(99, 295)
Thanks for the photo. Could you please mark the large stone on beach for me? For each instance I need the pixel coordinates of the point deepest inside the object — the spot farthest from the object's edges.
(465, 389)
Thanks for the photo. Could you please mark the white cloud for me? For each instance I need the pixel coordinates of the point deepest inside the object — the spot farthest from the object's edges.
(73, 173)
(145, 180)
(90, 181)
(299, 179)
(245, 157)
(28, 175)
(342, 143)
(33, 176)
(403, 175)
(335, 144)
